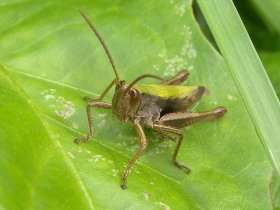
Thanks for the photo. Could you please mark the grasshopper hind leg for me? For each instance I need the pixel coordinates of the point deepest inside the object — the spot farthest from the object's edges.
(183, 119)
(171, 123)
(162, 129)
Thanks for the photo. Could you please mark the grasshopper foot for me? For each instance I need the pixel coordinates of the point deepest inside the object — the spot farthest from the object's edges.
(123, 186)
(181, 166)
(86, 98)
(83, 139)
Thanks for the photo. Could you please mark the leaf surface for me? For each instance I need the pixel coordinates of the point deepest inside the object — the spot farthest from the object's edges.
(54, 57)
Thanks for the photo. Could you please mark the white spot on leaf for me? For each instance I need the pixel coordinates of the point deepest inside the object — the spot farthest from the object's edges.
(67, 109)
(87, 151)
(101, 120)
(137, 172)
(190, 68)
(231, 98)
(96, 158)
(79, 150)
(48, 94)
(155, 67)
(115, 172)
(71, 155)
(49, 91)
(74, 126)
(49, 97)
(162, 54)
(174, 64)
(146, 195)
(165, 144)
(163, 205)
(180, 7)
(188, 48)
(63, 108)
(181, 60)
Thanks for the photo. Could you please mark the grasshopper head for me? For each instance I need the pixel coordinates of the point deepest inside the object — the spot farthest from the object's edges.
(125, 102)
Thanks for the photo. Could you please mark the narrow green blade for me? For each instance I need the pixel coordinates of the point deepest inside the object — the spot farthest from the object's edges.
(248, 73)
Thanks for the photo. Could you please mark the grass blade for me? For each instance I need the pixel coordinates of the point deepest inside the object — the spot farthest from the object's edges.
(248, 73)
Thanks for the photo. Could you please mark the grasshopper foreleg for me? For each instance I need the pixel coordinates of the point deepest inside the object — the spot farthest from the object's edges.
(92, 103)
(98, 104)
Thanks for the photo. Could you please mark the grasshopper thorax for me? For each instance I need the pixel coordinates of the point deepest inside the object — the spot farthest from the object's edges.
(126, 102)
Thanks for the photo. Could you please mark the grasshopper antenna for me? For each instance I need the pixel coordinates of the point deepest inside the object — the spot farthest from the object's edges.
(140, 78)
(103, 44)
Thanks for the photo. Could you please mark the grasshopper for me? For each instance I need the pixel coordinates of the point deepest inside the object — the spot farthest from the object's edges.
(162, 107)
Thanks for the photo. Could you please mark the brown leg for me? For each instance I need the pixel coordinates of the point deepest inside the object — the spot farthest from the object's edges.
(106, 90)
(86, 98)
(173, 121)
(180, 135)
(143, 144)
(177, 79)
(90, 104)
(98, 104)
(183, 119)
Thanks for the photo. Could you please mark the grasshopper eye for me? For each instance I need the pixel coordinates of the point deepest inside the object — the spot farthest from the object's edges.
(132, 93)
(132, 96)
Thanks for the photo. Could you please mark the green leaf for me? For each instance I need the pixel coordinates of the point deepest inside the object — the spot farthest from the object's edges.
(54, 57)
(249, 74)
(269, 10)
(263, 37)
(275, 192)
(272, 63)
(266, 41)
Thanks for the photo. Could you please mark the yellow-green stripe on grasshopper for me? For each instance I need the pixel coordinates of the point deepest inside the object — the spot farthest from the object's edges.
(162, 107)
(167, 91)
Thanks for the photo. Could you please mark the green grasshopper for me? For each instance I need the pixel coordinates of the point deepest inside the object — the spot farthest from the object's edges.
(162, 108)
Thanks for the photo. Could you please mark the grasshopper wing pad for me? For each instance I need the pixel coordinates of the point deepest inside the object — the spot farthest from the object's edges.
(167, 91)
